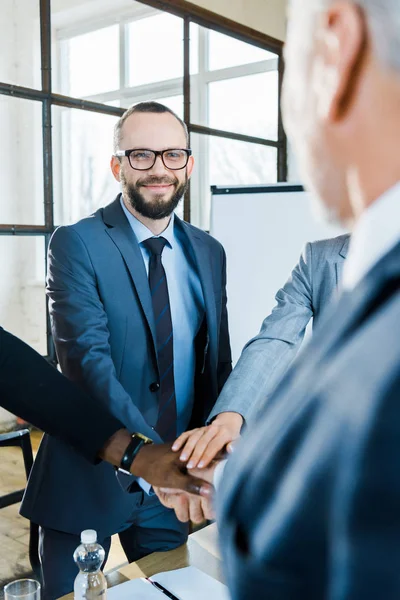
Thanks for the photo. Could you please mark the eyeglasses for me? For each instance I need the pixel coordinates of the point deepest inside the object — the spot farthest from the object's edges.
(143, 160)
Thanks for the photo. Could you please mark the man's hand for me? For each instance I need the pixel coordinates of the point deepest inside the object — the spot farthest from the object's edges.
(187, 507)
(159, 466)
(200, 446)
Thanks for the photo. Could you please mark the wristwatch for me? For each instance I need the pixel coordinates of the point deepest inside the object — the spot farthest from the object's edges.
(138, 440)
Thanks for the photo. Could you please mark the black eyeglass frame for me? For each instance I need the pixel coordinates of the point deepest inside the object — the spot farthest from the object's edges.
(127, 153)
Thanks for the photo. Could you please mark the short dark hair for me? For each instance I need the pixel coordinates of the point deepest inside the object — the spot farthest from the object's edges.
(145, 107)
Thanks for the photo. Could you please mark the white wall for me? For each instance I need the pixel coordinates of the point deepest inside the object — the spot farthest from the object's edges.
(267, 16)
(21, 298)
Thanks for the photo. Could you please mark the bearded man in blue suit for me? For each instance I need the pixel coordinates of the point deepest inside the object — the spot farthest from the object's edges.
(138, 307)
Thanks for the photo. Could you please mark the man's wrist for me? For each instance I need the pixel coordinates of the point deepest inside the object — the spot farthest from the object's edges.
(139, 466)
(232, 418)
(132, 450)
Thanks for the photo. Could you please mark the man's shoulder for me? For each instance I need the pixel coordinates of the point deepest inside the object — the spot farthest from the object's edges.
(85, 227)
(87, 223)
(331, 246)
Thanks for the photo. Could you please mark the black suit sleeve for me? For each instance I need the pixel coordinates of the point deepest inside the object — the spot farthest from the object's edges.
(35, 391)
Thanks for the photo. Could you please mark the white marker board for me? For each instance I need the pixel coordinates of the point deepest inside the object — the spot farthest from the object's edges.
(263, 230)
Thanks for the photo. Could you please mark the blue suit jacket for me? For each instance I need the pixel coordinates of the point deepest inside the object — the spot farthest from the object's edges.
(104, 332)
(309, 504)
(307, 293)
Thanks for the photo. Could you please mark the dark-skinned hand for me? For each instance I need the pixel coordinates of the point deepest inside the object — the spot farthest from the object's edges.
(161, 467)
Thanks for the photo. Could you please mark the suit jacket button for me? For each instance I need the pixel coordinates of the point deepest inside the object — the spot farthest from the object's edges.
(153, 387)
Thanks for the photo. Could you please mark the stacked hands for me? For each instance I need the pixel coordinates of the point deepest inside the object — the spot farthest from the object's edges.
(187, 484)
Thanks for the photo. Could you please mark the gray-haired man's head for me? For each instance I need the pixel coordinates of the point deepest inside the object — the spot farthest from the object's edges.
(342, 84)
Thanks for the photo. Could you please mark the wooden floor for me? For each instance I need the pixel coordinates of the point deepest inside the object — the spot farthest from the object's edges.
(14, 529)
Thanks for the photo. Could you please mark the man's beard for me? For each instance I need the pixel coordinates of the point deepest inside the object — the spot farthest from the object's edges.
(158, 207)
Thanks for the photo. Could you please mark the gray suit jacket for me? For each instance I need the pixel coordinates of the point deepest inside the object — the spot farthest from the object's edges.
(309, 504)
(104, 332)
(265, 359)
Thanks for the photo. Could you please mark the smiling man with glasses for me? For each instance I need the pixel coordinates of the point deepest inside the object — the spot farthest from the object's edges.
(138, 308)
(154, 173)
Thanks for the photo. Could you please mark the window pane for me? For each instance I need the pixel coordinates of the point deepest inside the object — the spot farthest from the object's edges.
(226, 51)
(83, 145)
(175, 103)
(21, 159)
(155, 49)
(20, 43)
(89, 63)
(22, 294)
(246, 105)
(220, 161)
(239, 163)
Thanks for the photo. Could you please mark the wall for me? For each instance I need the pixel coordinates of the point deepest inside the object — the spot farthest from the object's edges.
(267, 16)
(22, 308)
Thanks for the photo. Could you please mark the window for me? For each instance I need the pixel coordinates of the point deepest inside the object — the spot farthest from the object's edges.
(225, 51)
(20, 43)
(83, 181)
(21, 154)
(59, 100)
(258, 93)
(154, 49)
(141, 57)
(89, 63)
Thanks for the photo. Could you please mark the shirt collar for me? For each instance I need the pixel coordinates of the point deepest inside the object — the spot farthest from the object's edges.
(375, 234)
(143, 233)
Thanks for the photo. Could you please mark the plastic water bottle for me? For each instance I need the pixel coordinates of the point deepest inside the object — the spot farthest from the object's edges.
(90, 583)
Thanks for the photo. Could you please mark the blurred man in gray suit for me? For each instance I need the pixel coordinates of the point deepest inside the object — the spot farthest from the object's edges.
(309, 503)
(309, 290)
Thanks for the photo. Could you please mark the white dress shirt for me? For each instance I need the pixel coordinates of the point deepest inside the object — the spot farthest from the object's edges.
(375, 234)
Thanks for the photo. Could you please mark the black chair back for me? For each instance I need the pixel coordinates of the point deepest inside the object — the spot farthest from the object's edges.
(22, 439)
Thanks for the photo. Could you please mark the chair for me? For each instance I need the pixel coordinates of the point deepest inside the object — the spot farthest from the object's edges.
(22, 439)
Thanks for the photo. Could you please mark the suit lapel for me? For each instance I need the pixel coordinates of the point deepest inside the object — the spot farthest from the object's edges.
(123, 237)
(340, 262)
(203, 261)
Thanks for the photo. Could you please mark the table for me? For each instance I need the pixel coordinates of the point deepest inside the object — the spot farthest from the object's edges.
(201, 551)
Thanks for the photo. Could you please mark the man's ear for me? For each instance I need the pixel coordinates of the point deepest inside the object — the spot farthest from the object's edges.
(115, 165)
(341, 39)
(190, 165)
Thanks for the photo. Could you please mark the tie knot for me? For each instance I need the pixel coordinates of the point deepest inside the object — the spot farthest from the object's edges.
(155, 245)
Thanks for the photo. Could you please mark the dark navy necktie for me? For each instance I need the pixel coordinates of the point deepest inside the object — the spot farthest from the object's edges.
(166, 422)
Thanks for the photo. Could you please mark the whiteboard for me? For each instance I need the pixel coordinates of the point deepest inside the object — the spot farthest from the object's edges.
(263, 230)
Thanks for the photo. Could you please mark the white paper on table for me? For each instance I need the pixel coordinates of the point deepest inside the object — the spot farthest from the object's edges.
(136, 589)
(188, 583)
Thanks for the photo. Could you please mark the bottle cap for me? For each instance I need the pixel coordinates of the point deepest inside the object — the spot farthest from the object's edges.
(89, 536)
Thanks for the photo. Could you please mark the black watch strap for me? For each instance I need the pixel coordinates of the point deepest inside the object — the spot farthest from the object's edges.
(131, 452)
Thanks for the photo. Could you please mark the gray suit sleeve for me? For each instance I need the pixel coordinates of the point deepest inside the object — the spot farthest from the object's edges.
(267, 356)
(79, 324)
